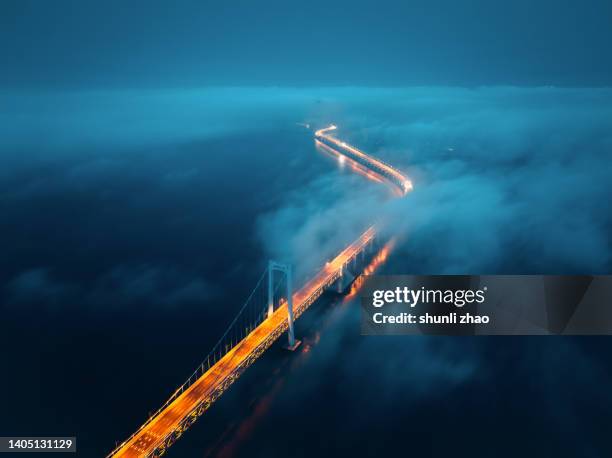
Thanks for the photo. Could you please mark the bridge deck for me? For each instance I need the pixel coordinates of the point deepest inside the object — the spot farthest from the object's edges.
(152, 437)
(373, 164)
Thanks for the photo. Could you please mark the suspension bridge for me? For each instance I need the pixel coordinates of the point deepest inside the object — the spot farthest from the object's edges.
(269, 311)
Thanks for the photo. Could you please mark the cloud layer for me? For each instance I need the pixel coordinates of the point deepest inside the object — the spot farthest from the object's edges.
(507, 180)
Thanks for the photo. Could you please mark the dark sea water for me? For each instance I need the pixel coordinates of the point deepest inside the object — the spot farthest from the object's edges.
(135, 225)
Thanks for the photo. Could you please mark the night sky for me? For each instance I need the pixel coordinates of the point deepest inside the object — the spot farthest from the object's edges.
(154, 158)
(156, 43)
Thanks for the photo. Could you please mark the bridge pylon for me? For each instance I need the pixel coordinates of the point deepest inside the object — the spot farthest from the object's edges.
(287, 271)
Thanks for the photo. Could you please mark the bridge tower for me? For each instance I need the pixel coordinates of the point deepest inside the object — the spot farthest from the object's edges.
(285, 269)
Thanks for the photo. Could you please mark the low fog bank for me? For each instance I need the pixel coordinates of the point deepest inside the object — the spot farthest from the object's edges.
(506, 180)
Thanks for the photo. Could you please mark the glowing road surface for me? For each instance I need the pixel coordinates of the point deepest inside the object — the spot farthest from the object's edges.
(372, 164)
(170, 422)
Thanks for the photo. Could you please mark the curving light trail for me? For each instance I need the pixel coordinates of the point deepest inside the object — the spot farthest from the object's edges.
(373, 169)
(374, 165)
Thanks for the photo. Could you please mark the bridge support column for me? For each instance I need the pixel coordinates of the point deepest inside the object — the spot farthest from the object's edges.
(339, 288)
(292, 343)
(270, 288)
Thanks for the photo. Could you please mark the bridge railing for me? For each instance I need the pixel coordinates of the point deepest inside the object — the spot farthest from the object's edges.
(225, 382)
(377, 165)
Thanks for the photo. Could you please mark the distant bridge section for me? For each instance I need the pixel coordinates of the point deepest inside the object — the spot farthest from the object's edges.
(380, 168)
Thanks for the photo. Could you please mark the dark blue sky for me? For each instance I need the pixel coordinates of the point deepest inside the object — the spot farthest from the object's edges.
(441, 42)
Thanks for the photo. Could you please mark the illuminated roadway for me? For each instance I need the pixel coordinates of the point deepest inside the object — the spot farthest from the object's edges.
(157, 434)
(372, 164)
